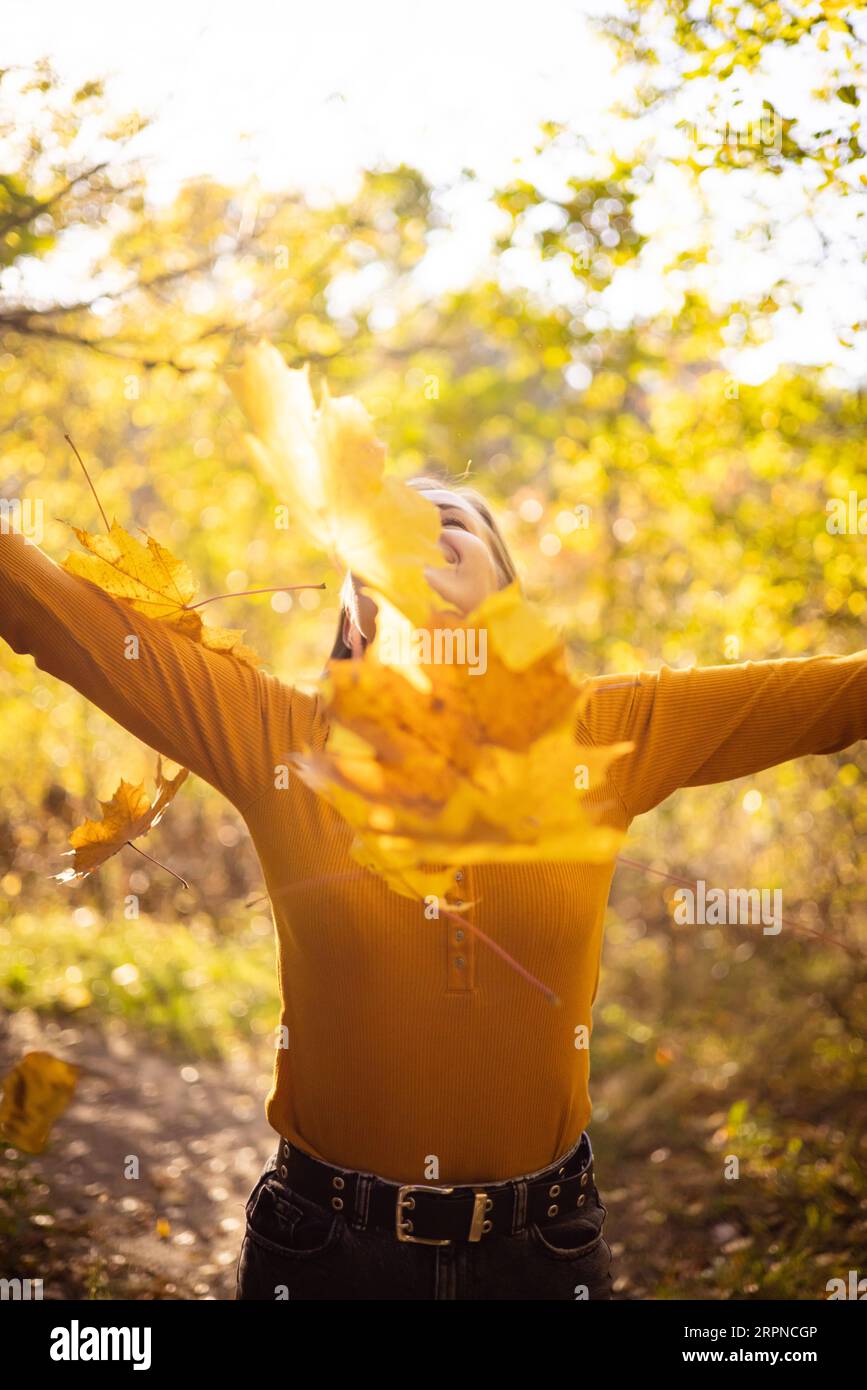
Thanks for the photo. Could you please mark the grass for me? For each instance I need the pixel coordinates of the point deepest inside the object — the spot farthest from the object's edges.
(192, 986)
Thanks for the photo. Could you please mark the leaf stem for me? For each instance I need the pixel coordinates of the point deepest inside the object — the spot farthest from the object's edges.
(504, 955)
(445, 911)
(275, 589)
(799, 928)
(87, 476)
(158, 863)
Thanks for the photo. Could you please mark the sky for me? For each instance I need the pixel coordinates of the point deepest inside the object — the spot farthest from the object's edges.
(305, 96)
(309, 94)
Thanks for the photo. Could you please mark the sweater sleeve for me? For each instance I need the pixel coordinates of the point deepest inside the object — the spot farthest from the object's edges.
(205, 710)
(715, 723)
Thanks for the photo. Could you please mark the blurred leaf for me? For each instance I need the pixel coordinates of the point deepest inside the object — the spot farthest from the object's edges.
(35, 1094)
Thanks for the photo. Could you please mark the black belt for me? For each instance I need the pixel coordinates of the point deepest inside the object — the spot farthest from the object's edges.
(428, 1215)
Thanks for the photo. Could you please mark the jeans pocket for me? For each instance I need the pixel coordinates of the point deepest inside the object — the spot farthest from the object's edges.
(266, 1172)
(575, 1235)
(283, 1222)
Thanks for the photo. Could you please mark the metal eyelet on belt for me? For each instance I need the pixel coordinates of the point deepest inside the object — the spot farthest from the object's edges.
(583, 1179)
(554, 1191)
(284, 1171)
(337, 1203)
(487, 1226)
(553, 1209)
(338, 1183)
(488, 1203)
(581, 1200)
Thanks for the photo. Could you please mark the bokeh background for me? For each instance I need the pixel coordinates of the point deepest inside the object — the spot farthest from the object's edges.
(610, 259)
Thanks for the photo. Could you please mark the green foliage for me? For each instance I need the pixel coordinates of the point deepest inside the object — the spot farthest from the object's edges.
(197, 988)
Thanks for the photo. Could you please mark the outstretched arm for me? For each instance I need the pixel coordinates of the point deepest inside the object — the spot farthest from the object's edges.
(205, 710)
(714, 723)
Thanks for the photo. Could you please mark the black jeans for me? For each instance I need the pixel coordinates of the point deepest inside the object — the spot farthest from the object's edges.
(296, 1249)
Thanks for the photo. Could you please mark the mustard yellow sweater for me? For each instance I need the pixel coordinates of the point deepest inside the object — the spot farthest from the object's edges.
(403, 1041)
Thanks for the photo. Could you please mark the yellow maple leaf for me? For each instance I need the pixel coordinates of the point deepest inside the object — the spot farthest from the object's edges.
(327, 465)
(35, 1093)
(465, 769)
(128, 814)
(428, 736)
(153, 581)
(511, 807)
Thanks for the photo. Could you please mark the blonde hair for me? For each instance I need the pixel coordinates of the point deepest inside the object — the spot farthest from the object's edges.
(500, 554)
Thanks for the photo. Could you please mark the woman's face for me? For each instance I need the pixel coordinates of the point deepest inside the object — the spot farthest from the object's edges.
(471, 573)
(468, 577)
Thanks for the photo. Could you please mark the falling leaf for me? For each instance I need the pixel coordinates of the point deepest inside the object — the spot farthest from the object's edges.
(472, 769)
(328, 467)
(153, 581)
(128, 814)
(163, 1228)
(35, 1094)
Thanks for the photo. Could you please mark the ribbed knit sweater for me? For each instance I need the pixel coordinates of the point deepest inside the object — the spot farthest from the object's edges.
(406, 1042)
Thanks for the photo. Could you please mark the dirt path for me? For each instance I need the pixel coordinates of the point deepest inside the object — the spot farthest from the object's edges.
(200, 1134)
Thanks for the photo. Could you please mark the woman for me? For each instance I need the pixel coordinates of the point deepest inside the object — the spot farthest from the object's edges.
(431, 1108)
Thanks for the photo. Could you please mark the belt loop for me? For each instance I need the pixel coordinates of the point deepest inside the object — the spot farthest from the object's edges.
(362, 1201)
(519, 1211)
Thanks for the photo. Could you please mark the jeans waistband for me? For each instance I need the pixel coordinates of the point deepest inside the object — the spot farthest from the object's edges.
(581, 1150)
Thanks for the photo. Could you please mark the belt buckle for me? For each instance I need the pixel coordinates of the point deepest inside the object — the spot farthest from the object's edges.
(404, 1201)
